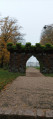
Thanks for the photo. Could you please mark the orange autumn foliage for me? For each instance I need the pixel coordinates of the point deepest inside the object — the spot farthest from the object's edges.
(4, 54)
(9, 32)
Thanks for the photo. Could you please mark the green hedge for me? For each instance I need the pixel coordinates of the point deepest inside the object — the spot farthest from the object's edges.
(28, 48)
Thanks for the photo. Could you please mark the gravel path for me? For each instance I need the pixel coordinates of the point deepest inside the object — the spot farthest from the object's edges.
(32, 91)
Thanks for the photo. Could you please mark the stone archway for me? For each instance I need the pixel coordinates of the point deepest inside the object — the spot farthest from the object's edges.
(18, 62)
(20, 54)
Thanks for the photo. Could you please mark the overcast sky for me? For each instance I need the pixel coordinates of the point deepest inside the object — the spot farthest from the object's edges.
(32, 15)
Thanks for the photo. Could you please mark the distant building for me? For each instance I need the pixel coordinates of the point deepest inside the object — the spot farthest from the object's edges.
(33, 64)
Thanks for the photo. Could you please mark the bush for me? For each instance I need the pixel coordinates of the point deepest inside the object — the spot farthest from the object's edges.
(28, 47)
(13, 47)
(33, 49)
(23, 48)
(39, 47)
(9, 46)
(28, 44)
(48, 47)
(18, 45)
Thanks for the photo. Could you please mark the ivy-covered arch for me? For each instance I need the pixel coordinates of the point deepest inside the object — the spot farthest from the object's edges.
(19, 54)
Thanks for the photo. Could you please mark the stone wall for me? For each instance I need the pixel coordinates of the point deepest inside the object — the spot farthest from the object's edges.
(28, 114)
(46, 62)
(18, 62)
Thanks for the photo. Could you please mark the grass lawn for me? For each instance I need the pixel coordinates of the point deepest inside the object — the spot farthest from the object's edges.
(6, 77)
(49, 75)
(37, 67)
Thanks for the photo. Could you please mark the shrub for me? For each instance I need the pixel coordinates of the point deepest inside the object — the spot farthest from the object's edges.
(9, 46)
(28, 44)
(48, 48)
(38, 47)
(33, 49)
(23, 48)
(18, 45)
(28, 47)
(48, 45)
(13, 47)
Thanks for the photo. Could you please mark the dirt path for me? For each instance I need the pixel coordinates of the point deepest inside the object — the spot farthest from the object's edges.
(32, 72)
(28, 92)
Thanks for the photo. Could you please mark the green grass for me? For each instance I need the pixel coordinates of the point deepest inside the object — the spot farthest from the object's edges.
(37, 67)
(49, 75)
(7, 77)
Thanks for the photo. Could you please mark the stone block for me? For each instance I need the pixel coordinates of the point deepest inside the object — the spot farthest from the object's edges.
(40, 113)
(49, 113)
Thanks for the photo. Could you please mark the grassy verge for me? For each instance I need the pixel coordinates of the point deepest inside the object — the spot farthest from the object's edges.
(7, 77)
(37, 68)
(49, 75)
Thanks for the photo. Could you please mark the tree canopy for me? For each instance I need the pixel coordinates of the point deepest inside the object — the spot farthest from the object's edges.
(47, 35)
(9, 32)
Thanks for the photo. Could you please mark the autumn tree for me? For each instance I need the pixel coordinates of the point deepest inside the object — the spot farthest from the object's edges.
(9, 32)
(4, 54)
(47, 35)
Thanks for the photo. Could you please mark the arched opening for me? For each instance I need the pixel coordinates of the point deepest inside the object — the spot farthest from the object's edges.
(32, 66)
(32, 62)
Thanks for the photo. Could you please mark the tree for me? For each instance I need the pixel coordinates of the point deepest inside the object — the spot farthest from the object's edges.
(47, 35)
(4, 54)
(9, 29)
(9, 32)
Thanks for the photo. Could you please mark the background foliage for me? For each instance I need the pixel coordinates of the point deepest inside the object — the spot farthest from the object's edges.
(47, 35)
